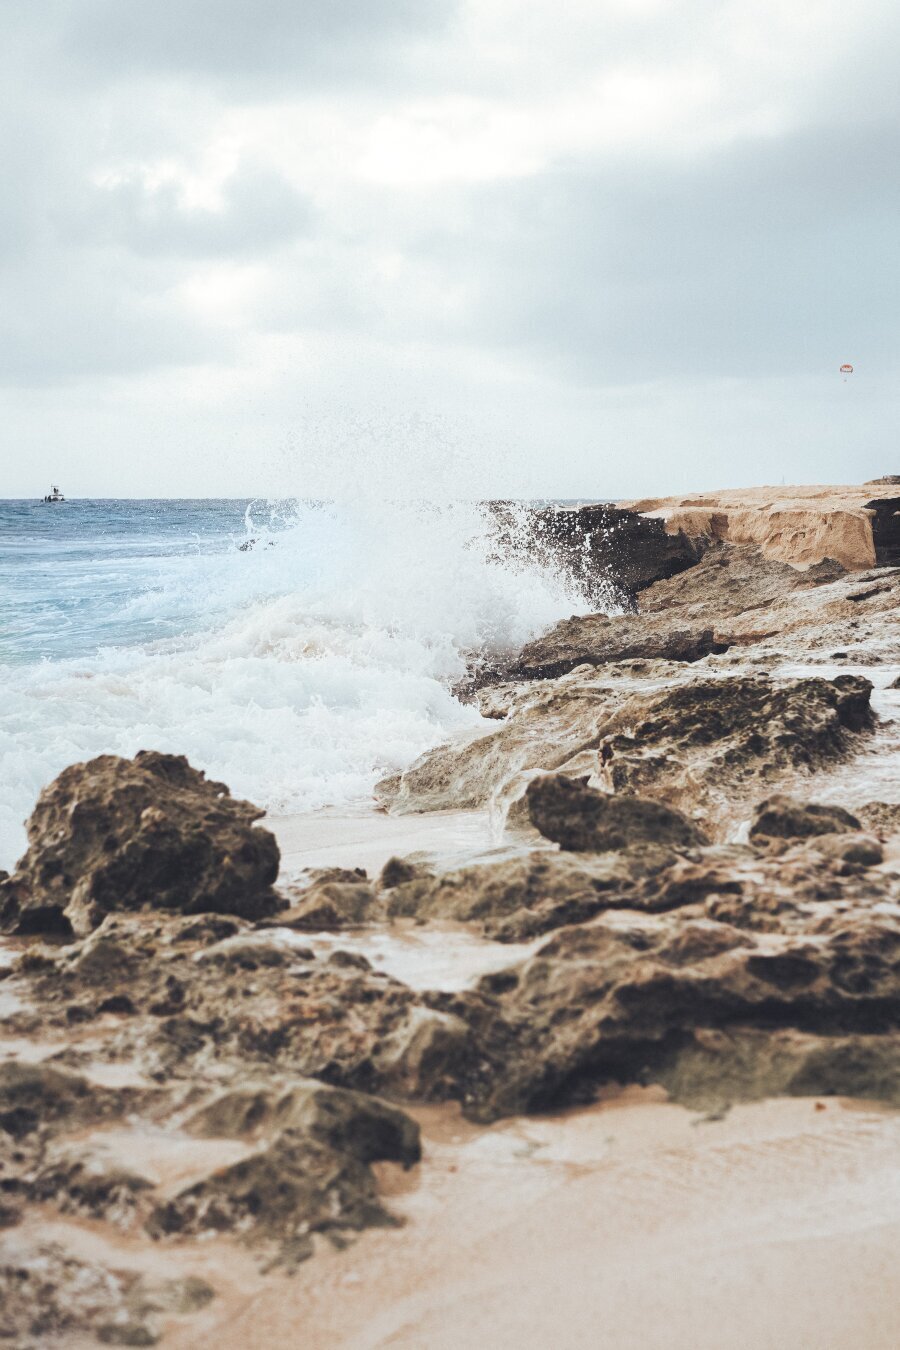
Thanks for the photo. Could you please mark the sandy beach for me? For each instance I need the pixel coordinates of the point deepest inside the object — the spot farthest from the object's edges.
(633, 1222)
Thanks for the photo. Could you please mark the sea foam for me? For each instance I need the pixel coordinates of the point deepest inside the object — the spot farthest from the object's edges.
(304, 667)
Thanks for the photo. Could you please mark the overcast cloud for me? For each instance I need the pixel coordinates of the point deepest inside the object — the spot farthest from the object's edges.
(602, 249)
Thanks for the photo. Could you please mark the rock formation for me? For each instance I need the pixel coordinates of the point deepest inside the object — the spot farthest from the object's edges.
(798, 525)
(705, 909)
(117, 834)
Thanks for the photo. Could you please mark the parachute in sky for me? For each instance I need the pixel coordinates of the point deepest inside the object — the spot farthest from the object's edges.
(846, 369)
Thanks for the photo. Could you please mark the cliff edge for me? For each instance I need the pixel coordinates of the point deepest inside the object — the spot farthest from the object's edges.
(858, 527)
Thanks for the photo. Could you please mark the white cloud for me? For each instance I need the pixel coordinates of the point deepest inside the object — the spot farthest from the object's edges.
(595, 240)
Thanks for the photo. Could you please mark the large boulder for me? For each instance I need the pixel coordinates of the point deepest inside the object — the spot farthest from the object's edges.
(580, 818)
(124, 834)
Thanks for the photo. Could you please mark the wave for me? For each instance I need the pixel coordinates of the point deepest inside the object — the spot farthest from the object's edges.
(306, 667)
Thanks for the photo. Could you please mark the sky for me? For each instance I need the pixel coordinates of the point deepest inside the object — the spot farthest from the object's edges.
(608, 248)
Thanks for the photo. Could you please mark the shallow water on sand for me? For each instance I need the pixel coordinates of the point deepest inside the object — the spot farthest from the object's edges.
(437, 957)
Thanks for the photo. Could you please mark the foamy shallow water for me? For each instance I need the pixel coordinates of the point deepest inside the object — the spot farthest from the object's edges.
(436, 957)
(874, 773)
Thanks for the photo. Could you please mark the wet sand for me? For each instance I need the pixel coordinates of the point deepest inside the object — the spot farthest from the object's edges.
(366, 837)
(632, 1223)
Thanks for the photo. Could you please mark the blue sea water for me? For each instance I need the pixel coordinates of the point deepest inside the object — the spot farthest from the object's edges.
(298, 669)
(79, 575)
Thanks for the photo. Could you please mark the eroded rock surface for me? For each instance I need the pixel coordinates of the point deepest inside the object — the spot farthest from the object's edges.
(702, 745)
(579, 817)
(599, 639)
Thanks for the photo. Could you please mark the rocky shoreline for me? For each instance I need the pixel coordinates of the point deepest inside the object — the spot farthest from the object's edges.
(709, 888)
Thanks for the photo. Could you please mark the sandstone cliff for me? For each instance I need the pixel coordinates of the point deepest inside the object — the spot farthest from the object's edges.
(856, 526)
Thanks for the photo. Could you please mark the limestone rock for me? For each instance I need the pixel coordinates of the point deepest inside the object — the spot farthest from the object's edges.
(700, 744)
(329, 898)
(599, 639)
(606, 549)
(429, 1047)
(797, 525)
(352, 1122)
(619, 1001)
(784, 817)
(288, 1189)
(398, 871)
(119, 834)
(883, 818)
(40, 1097)
(709, 743)
(580, 818)
(46, 1293)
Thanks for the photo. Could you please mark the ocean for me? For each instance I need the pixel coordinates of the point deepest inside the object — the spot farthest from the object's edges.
(298, 651)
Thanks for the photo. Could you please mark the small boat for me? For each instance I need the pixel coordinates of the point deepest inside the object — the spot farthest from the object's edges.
(54, 495)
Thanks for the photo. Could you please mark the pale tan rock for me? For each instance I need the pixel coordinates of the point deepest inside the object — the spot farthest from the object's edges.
(798, 525)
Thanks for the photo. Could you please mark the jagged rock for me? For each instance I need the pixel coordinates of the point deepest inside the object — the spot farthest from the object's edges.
(398, 871)
(496, 701)
(718, 1066)
(700, 744)
(429, 1046)
(80, 1182)
(40, 1096)
(605, 549)
(118, 834)
(786, 818)
(248, 952)
(351, 1122)
(882, 818)
(579, 818)
(331, 897)
(854, 850)
(519, 898)
(258, 1000)
(290, 1188)
(46, 1293)
(599, 639)
(622, 1001)
(706, 744)
(544, 732)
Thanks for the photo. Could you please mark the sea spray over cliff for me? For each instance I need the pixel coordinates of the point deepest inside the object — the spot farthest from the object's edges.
(297, 670)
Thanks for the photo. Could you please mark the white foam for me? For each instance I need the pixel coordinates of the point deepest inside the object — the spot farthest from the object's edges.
(331, 667)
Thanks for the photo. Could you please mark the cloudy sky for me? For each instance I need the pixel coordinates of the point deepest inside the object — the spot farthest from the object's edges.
(602, 248)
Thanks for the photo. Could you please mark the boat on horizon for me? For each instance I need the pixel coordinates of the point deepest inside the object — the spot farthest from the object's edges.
(54, 495)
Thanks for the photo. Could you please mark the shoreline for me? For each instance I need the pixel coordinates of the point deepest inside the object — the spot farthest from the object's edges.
(627, 1070)
(546, 1229)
